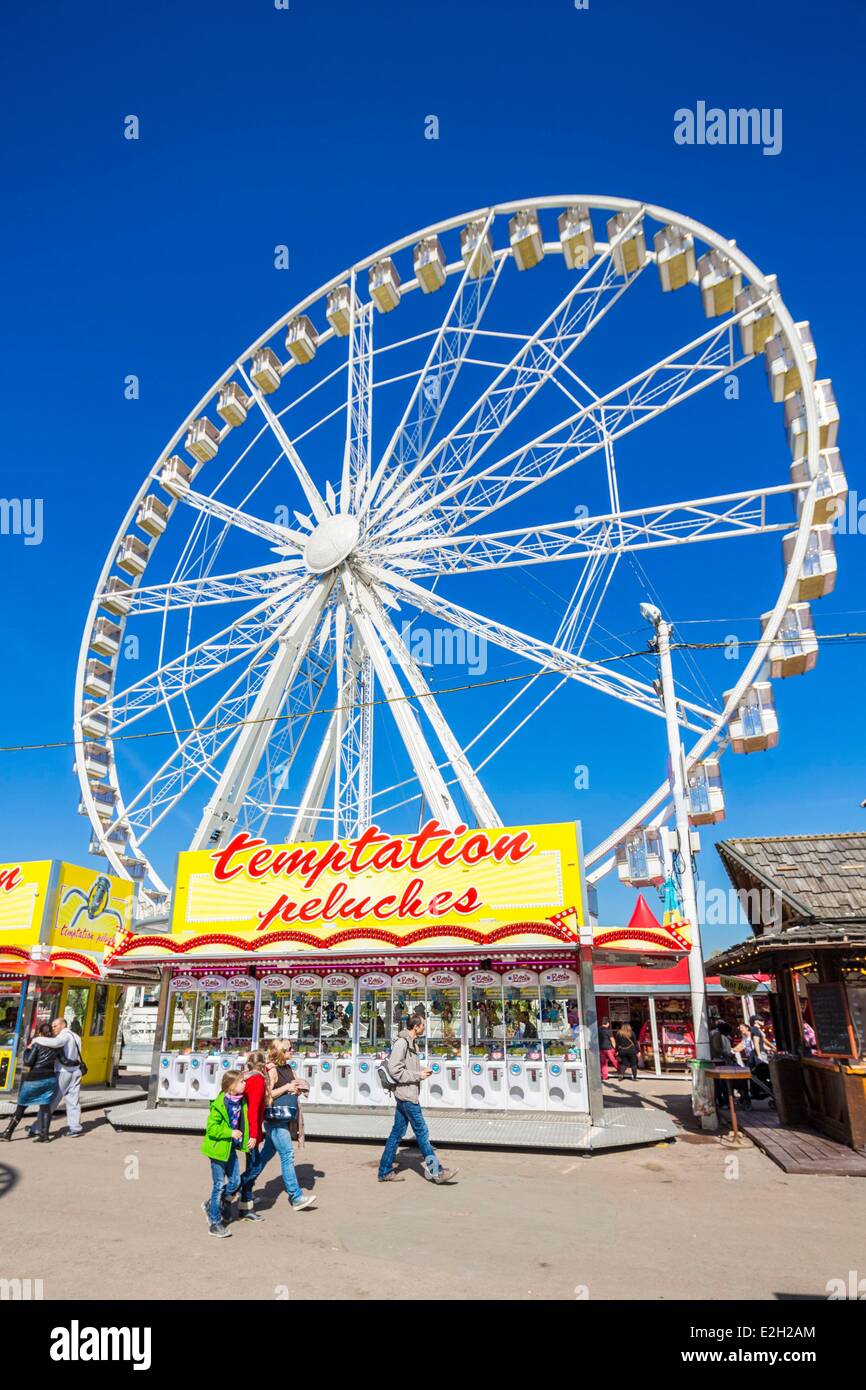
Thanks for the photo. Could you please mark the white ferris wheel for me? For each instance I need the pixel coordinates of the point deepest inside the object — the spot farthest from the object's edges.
(404, 439)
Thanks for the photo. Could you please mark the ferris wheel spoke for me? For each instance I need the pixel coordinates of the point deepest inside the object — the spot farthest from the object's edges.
(515, 385)
(550, 657)
(359, 402)
(311, 807)
(297, 711)
(433, 785)
(278, 536)
(244, 637)
(210, 589)
(437, 377)
(679, 523)
(353, 733)
(310, 491)
(194, 754)
(482, 807)
(221, 813)
(672, 380)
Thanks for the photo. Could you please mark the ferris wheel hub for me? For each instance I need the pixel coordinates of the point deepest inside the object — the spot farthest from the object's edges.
(331, 543)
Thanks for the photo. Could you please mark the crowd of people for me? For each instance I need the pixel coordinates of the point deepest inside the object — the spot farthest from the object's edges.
(258, 1113)
(748, 1048)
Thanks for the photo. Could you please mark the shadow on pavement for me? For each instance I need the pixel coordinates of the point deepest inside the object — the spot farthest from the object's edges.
(8, 1179)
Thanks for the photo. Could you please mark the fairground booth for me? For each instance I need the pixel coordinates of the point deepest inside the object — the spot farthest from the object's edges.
(336, 945)
(58, 923)
(806, 900)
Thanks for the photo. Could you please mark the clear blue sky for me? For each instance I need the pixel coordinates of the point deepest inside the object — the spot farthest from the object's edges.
(259, 127)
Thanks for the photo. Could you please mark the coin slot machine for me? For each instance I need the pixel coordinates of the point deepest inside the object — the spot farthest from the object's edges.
(374, 1036)
(174, 1061)
(564, 1059)
(486, 1084)
(307, 1009)
(336, 1064)
(446, 1087)
(524, 1045)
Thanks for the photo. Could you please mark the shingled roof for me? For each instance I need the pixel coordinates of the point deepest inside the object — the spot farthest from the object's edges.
(817, 878)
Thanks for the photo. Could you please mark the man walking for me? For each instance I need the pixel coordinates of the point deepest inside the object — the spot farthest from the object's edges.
(404, 1065)
(68, 1069)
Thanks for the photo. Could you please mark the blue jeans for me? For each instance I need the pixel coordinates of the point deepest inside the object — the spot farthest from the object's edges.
(223, 1174)
(278, 1140)
(409, 1113)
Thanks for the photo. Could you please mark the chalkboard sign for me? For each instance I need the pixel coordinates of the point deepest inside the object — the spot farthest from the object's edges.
(832, 1020)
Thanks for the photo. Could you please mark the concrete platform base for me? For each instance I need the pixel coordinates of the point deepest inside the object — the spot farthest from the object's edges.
(625, 1126)
(92, 1098)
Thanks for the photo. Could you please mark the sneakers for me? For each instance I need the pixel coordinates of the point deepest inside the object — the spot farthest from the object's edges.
(444, 1175)
(304, 1202)
(219, 1230)
(246, 1213)
(393, 1177)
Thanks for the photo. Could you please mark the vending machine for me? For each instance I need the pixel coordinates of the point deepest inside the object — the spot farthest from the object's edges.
(307, 1010)
(174, 1062)
(524, 1046)
(213, 1068)
(565, 1069)
(446, 1088)
(374, 1036)
(197, 1087)
(336, 1062)
(486, 1083)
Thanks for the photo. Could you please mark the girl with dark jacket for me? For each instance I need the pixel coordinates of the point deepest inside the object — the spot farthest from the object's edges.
(39, 1087)
(626, 1051)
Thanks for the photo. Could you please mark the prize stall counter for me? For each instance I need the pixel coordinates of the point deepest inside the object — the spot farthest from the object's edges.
(495, 1039)
(827, 1087)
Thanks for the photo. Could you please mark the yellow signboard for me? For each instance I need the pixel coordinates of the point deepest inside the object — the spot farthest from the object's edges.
(90, 910)
(23, 900)
(75, 913)
(431, 890)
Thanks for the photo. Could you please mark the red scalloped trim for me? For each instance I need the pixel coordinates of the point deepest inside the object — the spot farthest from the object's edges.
(636, 934)
(15, 951)
(251, 946)
(79, 959)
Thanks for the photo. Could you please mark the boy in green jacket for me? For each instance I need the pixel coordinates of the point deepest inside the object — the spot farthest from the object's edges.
(226, 1133)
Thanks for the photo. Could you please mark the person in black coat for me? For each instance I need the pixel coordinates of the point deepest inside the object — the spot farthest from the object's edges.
(626, 1051)
(39, 1086)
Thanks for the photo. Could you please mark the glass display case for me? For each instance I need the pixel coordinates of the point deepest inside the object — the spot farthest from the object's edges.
(410, 997)
(374, 1014)
(307, 1011)
(486, 1018)
(10, 998)
(277, 1020)
(337, 1016)
(181, 1020)
(522, 1015)
(560, 1017)
(444, 1019)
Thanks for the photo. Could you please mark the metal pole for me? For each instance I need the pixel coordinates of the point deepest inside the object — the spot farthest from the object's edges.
(654, 1033)
(159, 1038)
(681, 811)
(677, 779)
